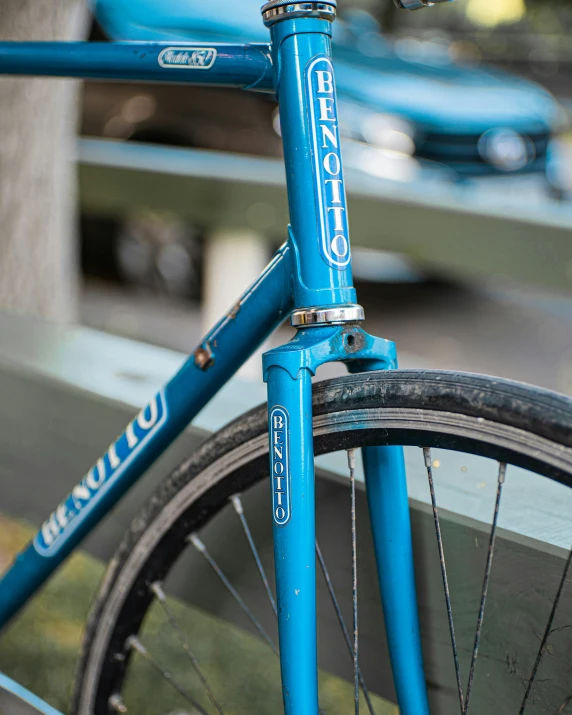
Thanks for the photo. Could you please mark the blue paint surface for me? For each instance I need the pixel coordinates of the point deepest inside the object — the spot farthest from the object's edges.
(231, 342)
(246, 66)
(297, 44)
(294, 550)
(25, 696)
(288, 370)
(386, 489)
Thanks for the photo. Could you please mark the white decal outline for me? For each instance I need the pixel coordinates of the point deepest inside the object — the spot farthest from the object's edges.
(326, 252)
(186, 65)
(66, 533)
(287, 477)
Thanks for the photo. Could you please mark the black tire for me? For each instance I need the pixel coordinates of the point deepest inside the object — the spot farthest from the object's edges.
(500, 419)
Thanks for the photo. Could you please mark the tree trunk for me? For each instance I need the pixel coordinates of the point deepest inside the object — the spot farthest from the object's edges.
(38, 117)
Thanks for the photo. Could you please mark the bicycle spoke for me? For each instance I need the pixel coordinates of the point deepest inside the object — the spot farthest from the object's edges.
(342, 623)
(428, 465)
(546, 634)
(352, 468)
(117, 705)
(237, 504)
(160, 594)
(202, 549)
(564, 705)
(486, 581)
(133, 643)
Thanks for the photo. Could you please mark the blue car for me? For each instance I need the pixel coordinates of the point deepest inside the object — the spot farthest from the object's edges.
(477, 122)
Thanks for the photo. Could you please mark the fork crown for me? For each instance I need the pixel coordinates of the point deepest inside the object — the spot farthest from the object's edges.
(313, 347)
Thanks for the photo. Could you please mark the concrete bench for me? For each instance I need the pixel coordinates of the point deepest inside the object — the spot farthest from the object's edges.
(443, 227)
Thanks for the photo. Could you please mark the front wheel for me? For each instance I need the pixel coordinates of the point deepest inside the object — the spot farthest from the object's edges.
(146, 650)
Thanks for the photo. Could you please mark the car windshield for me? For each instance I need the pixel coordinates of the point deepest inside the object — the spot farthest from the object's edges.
(223, 20)
(227, 19)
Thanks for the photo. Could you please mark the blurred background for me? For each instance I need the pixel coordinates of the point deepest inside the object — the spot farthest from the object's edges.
(466, 108)
(143, 211)
(458, 154)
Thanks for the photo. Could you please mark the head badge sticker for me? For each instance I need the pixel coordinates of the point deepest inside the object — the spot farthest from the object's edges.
(195, 58)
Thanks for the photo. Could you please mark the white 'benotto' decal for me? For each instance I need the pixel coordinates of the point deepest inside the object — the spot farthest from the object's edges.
(330, 187)
(280, 465)
(59, 527)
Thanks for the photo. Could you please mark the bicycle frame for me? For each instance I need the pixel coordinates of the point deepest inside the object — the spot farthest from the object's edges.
(310, 274)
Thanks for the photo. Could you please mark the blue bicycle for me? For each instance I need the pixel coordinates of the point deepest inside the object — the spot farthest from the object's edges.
(375, 411)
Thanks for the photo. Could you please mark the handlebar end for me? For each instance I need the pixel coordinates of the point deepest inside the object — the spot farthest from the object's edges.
(417, 4)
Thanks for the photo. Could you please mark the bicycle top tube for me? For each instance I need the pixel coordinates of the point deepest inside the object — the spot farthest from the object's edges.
(306, 91)
(245, 66)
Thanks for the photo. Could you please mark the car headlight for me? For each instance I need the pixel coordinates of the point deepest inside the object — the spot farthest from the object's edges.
(506, 149)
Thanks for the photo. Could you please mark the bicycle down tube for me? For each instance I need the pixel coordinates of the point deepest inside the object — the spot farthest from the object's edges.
(231, 342)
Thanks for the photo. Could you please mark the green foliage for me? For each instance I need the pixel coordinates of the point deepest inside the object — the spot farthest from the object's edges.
(40, 647)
